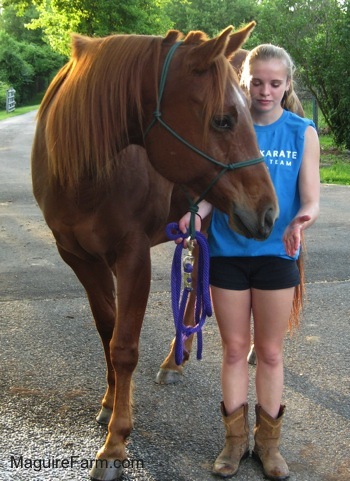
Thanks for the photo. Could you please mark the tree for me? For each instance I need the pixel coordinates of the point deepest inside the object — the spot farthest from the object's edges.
(13, 24)
(210, 16)
(14, 70)
(316, 33)
(59, 18)
(26, 62)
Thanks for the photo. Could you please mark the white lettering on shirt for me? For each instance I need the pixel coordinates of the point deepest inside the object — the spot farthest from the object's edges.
(279, 157)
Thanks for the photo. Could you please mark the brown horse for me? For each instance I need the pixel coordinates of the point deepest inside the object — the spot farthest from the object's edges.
(127, 119)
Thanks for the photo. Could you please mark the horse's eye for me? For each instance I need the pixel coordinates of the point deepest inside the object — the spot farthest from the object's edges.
(222, 122)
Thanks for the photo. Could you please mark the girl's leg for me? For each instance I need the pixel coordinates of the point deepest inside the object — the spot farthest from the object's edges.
(271, 311)
(232, 311)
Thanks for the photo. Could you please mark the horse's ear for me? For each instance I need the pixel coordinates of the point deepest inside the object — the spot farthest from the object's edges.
(202, 56)
(173, 36)
(238, 38)
(79, 44)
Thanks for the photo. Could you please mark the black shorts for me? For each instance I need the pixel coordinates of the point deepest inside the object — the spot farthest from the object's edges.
(262, 272)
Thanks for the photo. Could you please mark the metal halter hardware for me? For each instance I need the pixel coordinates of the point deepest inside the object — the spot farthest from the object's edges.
(158, 117)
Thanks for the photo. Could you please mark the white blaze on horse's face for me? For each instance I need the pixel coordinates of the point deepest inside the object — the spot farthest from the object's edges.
(240, 97)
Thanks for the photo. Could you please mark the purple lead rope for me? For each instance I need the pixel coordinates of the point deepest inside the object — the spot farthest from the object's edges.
(203, 306)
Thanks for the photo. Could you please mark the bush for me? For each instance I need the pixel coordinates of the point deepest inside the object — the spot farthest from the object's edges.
(27, 68)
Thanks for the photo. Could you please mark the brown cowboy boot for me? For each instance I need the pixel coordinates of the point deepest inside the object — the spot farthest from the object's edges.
(236, 444)
(267, 432)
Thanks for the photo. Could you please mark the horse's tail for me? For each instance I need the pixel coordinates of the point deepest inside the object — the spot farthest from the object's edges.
(299, 293)
(54, 88)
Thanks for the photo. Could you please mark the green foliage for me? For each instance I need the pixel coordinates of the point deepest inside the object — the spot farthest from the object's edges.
(59, 18)
(13, 24)
(14, 70)
(315, 32)
(25, 66)
(210, 16)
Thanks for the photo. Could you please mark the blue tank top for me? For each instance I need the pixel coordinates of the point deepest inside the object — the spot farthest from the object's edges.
(282, 145)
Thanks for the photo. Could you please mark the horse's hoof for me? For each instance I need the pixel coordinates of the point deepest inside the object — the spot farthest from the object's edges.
(104, 470)
(252, 356)
(104, 416)
(166, 376)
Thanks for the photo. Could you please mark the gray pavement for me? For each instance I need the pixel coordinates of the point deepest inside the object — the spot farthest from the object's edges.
(52, 366)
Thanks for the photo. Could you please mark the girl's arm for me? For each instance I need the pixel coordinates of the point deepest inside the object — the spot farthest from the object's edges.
(309, 189)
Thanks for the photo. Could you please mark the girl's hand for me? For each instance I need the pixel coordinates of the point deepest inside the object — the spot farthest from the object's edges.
(184, 225)
(292, 234)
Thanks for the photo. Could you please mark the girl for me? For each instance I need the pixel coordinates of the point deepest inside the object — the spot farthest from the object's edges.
(259, 278)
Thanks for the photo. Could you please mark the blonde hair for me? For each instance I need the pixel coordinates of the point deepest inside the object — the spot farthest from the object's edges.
(267, 51)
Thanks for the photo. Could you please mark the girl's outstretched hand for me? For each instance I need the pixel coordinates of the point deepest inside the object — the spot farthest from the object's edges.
(292, 234)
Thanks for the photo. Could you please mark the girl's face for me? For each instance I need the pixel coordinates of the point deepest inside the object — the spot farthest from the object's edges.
(267, 85)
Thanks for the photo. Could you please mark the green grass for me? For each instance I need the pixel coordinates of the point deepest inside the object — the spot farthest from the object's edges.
(326, 142)
(335, 166)
(19, 111)
(335, 163)
(24, 109)
(337, 173)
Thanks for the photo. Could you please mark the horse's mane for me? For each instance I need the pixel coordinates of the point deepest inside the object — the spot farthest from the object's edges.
(88, 105)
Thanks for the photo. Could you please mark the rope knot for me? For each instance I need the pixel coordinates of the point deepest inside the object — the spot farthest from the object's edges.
(193, 208)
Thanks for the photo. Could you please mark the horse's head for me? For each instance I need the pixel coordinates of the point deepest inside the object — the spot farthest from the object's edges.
(202, 106)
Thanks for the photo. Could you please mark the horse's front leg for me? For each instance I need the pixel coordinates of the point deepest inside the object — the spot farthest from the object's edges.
(169, 372)
(133, 271)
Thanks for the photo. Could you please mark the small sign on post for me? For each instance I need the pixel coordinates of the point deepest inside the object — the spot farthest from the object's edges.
(10, 100)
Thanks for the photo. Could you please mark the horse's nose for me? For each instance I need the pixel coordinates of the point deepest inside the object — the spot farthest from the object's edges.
(270, 217)
(268, 221)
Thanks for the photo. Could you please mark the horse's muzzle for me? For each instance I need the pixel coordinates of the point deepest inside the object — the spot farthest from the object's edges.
(257, 227)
